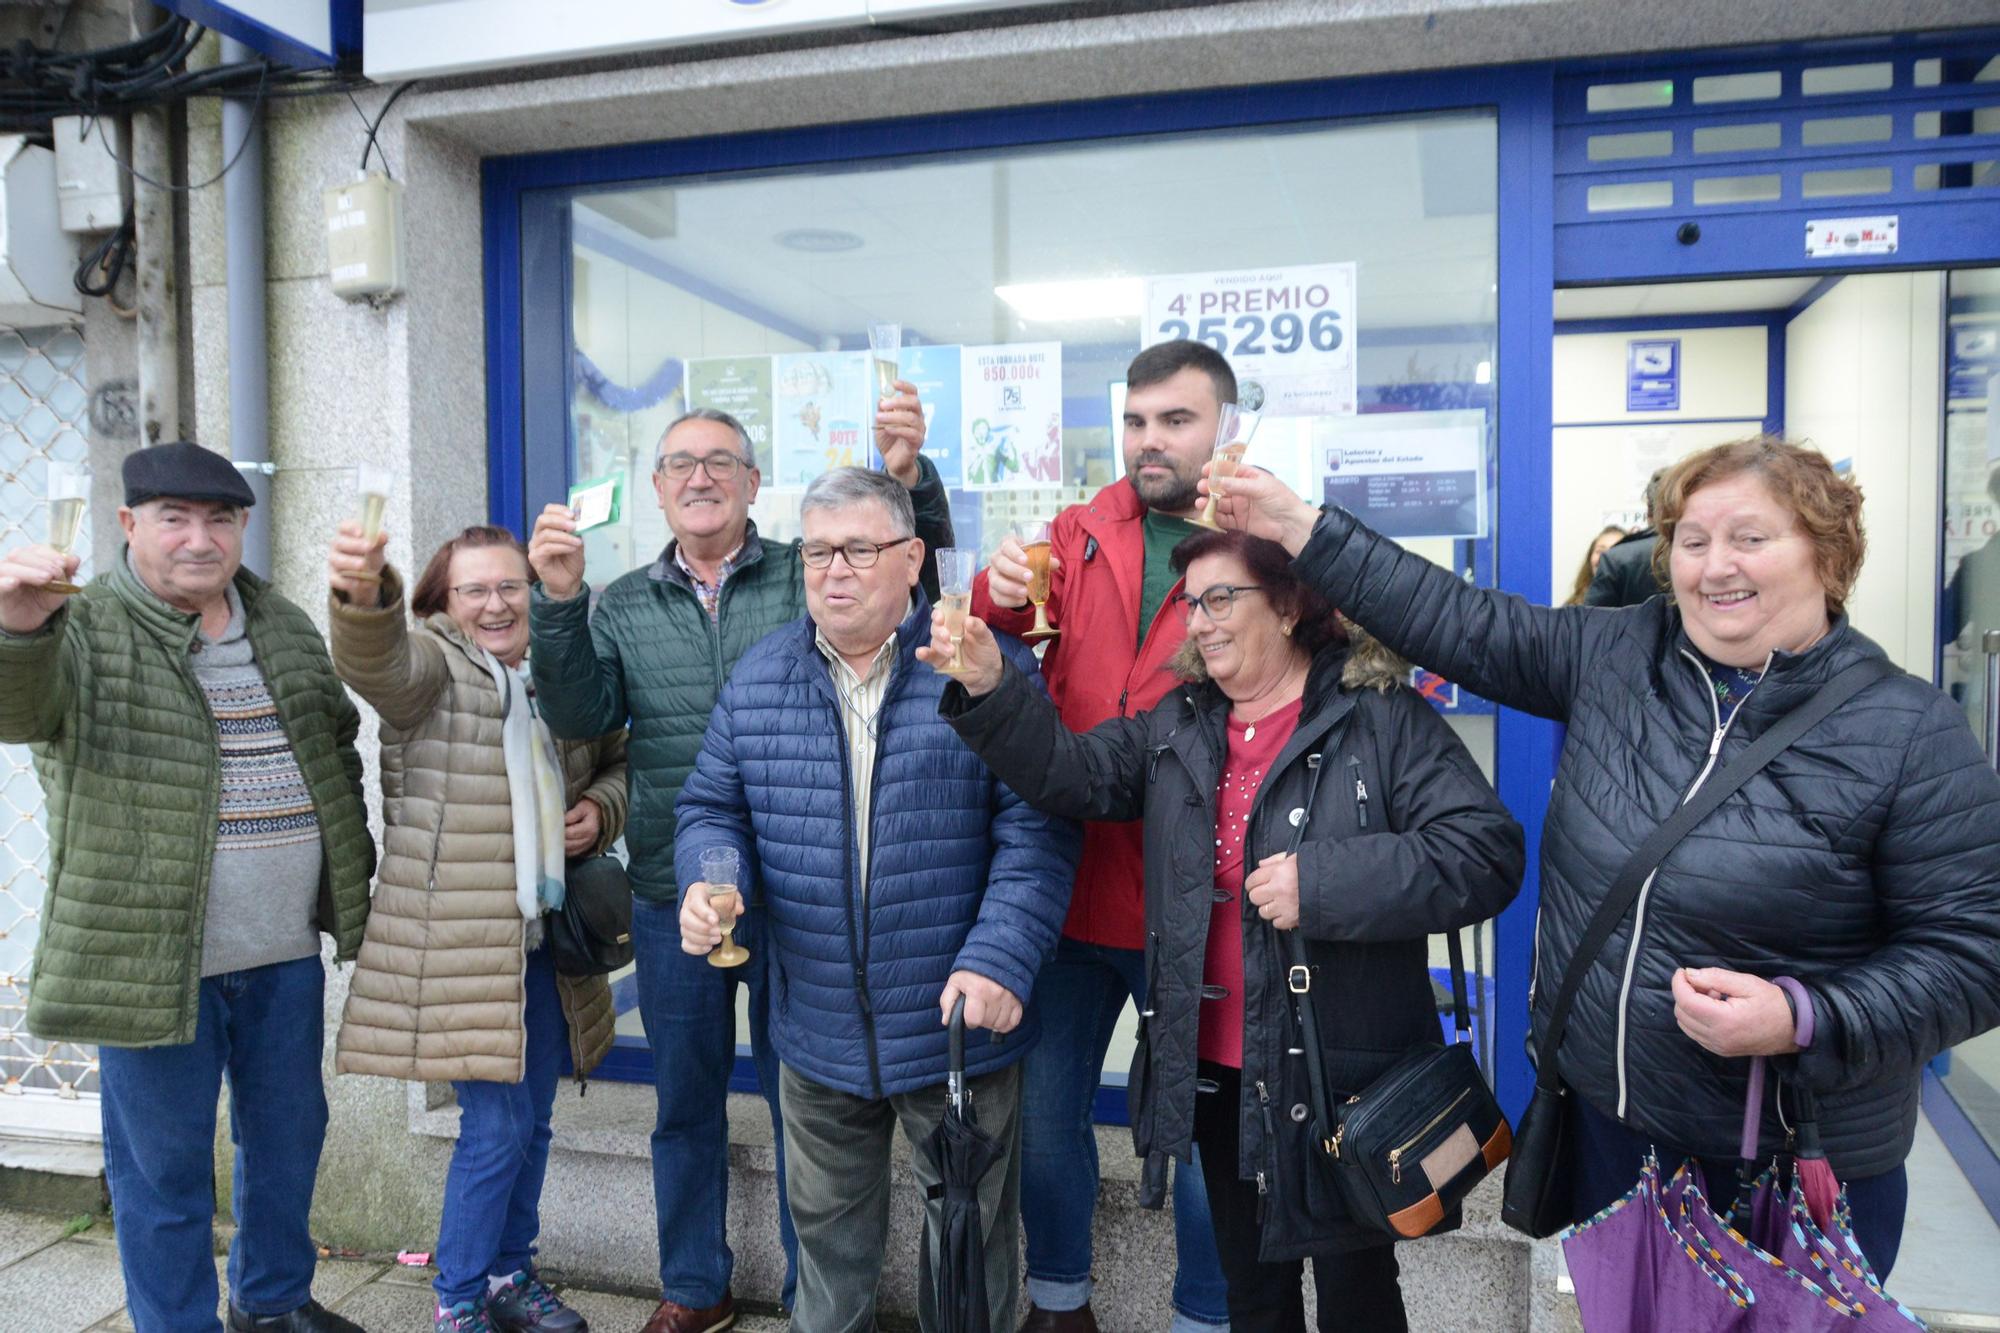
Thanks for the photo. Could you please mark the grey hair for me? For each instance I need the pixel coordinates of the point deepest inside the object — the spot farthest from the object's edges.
(837, 488)
(720, 418)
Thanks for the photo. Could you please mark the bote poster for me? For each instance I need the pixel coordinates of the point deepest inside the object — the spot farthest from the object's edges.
(824, 409)
(936, 373)
(1011, 400)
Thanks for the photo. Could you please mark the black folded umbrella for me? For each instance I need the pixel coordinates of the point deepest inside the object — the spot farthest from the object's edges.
(963, 1154)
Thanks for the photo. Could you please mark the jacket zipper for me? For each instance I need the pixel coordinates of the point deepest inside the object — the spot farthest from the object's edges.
(1270, 1149)
(1360, 790)
(1646, 889)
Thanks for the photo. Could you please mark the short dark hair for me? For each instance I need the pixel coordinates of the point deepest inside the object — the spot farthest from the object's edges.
(432, 590)
(1163, 361)
(1315, 622)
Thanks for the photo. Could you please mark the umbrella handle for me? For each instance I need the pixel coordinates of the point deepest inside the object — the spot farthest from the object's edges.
(955, 1076)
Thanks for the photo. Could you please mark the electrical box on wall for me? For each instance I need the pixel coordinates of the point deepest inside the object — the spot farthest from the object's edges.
(88, 197)
(37, 261)
(364, 238)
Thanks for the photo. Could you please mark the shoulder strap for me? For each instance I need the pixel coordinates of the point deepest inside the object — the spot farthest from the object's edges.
(1640, 865)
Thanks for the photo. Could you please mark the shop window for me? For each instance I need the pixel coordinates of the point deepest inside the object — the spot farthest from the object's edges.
(1828, 80)
(1846, 129)
(1756, 86)
(1631, 195)
(1648, 95)
(1943, 73)
(1967, 120)
(1958, 175)
(1623, 147)
(1712, 190)
(1754, 138)
(1859, 180)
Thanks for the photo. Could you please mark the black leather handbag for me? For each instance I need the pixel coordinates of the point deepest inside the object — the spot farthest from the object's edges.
(1540, 1178)
(1405, 1151)
(591, 933)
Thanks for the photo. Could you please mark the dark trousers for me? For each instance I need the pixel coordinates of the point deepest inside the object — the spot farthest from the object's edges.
(1357, 1289)
(1608, 1155)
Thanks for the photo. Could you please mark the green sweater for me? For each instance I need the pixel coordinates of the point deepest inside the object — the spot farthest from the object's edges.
(126, 749)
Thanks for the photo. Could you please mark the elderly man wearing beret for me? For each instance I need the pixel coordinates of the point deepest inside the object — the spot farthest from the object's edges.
(206, 826)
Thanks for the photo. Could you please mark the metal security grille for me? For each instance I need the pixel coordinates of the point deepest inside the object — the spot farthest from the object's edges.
(1691, 168)
(44, 409)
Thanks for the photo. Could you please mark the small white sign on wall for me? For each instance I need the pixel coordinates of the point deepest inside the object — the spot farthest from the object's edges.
(1827, 237)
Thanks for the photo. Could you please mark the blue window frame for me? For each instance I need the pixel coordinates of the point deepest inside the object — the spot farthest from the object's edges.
(527, 240)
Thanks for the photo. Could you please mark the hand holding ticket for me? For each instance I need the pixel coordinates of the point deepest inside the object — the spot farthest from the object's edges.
(596, 502)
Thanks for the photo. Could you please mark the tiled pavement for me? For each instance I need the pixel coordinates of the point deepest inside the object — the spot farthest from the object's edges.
(52, 1282)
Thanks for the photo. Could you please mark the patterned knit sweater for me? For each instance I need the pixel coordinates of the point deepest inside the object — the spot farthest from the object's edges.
(265, 881)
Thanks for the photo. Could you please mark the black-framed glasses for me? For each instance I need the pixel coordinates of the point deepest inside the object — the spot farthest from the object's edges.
(720, 467)
(1218, 601)
(857, 554)
(511, 589)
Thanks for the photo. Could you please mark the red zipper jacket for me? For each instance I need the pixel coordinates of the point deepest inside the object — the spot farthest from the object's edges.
(1097, 669)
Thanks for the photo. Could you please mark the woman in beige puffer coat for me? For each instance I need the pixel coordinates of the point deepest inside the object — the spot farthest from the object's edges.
(453, 982)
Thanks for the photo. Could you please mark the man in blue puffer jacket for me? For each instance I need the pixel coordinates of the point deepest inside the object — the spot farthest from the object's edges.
(896, 875)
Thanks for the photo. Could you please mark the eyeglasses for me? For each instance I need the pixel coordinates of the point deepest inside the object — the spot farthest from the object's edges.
(858, 554)
(721, 467)
(510, 589)
(1218, 601)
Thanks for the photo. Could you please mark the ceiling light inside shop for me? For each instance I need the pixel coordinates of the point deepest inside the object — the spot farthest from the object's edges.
(1483, 373)
(1075, 299)
(819, 240)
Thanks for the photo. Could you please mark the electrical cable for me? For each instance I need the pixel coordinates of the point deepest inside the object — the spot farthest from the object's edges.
(256, 110)
(110, 257)
(371, 146)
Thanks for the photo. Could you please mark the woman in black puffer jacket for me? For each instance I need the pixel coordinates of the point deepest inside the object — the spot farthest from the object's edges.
(1863, 863)
(1284, 725)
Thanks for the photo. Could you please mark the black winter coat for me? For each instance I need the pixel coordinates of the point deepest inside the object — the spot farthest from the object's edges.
(1864, 861)
(1625, 574)
(1404, 838)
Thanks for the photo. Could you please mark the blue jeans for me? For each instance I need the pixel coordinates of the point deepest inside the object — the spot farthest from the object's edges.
(493, 1191)
(261, 1028)
(689, 1010)
(1079, 996)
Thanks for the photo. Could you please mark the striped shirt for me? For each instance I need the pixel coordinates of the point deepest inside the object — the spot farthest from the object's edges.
(861, 699)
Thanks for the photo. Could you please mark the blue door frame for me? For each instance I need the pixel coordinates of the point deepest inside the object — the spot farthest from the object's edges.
(526, 198)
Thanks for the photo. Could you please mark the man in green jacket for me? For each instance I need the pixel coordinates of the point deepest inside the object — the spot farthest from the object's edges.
(657, 649)
(206, 825)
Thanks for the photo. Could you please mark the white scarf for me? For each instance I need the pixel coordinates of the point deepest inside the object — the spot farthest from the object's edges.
(535, 789)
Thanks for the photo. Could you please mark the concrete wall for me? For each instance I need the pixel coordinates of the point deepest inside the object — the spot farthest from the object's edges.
(405, 383)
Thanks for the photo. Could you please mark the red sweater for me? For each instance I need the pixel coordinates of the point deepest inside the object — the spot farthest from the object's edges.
(1097, 669)
(1221, 1031)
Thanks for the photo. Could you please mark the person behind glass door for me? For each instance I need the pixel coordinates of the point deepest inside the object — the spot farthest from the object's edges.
(1602, 542)
(455, 983)
(656, 650)
(1111, 578)
(1283, 723)
(1626, 575)
(1838, 914)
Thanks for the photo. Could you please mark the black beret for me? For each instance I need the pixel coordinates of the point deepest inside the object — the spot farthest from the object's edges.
(183, 471)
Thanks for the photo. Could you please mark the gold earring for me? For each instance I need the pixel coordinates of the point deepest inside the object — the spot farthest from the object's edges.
(1288, 630)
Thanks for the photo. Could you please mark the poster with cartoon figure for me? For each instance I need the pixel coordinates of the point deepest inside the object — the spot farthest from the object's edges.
(823, 413)
(935, 371)
(1010, 401)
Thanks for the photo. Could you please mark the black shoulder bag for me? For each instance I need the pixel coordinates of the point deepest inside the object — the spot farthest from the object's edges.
(1539, 1183)
(591, 933)
(1405, 1152)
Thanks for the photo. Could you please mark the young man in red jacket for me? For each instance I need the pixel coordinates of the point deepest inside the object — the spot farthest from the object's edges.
(1109, 586)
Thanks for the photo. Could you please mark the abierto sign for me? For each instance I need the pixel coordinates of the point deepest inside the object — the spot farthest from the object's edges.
(411, 38)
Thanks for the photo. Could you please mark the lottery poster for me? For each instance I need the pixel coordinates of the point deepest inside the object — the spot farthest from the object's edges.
(823, 409)
(740, 386)
(1010, 398)
(935, 372)
(1288, 332)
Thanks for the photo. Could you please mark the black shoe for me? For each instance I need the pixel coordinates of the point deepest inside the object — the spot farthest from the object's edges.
(312, 1317)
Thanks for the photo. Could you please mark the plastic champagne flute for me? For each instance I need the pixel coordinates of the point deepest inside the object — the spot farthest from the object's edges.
(372, 484)
(69, 488)
(956, 566)
(1233, 428)
(1035, 543)
(719, 872)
